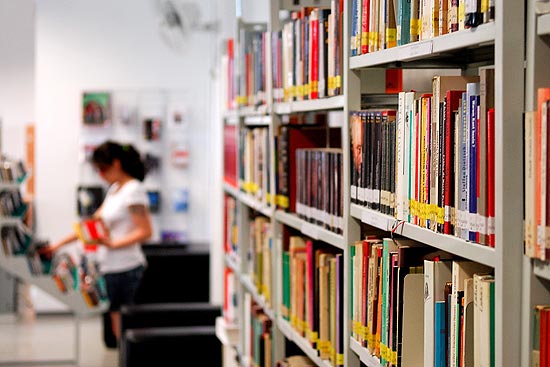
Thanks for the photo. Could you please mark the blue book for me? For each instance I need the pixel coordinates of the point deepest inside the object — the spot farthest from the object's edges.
(354, 27)
(403, 22)
(440, 335)
(463, 223)
(474, 150)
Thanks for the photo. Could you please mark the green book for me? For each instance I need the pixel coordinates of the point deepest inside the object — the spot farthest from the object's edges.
(286, 285)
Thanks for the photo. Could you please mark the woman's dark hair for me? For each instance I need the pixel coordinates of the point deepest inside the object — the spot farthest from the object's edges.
(130, 160)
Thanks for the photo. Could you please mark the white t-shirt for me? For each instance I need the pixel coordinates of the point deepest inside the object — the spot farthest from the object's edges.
(115, 213)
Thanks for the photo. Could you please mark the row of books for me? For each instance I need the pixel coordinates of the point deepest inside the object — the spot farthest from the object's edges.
(443, 173)
(307, 54)
(313, 294)
(254, 153)
(258, 337)
(382, 24)
(290, 138)
(231, 231)
(408, 297)
(319, 181)
(260, 255)
(537, 184)
(12, 204)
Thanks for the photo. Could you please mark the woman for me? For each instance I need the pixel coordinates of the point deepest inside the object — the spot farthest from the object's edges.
(126, 215)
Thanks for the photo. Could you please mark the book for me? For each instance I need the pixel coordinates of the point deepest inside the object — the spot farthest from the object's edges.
(436, 274)
(91, 231)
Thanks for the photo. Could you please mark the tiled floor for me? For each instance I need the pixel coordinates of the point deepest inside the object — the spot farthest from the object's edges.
(52, 338)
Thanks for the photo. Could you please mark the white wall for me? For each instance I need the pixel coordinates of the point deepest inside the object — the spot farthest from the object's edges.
(98, 45)
(16, 73)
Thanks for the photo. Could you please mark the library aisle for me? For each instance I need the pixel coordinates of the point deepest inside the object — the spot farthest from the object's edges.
(25, 341)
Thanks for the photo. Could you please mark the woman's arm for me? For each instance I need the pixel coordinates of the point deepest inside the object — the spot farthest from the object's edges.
(57, 245)
(142, 228)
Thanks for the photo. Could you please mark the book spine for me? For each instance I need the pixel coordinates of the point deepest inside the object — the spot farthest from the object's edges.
(365, 26)
(473, 186)
(314, 56)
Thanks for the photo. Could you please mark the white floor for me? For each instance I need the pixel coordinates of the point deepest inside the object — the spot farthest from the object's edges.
(52, 338)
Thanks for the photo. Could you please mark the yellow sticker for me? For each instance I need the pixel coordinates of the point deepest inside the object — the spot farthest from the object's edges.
(391, 37)
(415, 27)
(339, 359)
(338, 81)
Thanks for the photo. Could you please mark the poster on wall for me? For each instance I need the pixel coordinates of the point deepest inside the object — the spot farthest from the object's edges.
(96, 108)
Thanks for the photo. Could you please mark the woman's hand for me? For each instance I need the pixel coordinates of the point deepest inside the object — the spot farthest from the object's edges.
(50, 249)
(107, 242)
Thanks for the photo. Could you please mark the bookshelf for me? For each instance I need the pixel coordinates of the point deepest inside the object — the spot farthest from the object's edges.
(496, 43)
(536, 273)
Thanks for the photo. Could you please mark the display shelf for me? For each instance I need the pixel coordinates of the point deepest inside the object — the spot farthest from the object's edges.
(253, 110)
(231, 190)
(301, 342)
(310, 230)
(19, 267)
(364, 355)
(15, 184)
(233, 262)
(256, 205)
(543, 25)
(228, 334)
(454, 245)
(231, 117)
(330, 103)
(257, 120)
(436, 47)
(258, 298)
(541, 269)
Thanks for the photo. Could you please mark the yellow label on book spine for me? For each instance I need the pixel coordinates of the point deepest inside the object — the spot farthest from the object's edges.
(314, 86)
(307, 90)
(300, 91)
(338, 80)
(292, 91)
(391, 37)
(393, 358)
(283, 201)
(314, 337)
(292, 320)
(415, 27)
(364, 39)
(339, 359)
(441, 215)
(331, 82)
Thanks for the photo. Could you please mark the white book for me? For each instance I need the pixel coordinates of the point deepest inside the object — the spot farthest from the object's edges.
(413, 321)
(400, 187)
(436, 274)
(461, 271)
(481, 326)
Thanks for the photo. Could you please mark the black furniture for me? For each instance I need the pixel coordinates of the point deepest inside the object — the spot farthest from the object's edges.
(172, 346)
(172, 322)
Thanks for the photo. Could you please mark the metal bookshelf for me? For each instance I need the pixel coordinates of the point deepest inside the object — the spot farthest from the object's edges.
(330, 103)
(499, 43)
(536, 274)
(311, 230)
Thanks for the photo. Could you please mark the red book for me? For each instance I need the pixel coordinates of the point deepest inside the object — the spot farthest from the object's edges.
(365, 27)
(453, 104)
(491, 176)
(230, 154)
(544, 337)
(314, 55)
(230, 74)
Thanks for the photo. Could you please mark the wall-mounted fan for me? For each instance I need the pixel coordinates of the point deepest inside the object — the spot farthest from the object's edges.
(177, 19)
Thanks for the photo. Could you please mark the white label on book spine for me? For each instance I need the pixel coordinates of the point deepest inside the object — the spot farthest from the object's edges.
(540, 235)
(447, 217)
(341, 223)
(299, 208)
(482, 224)
(416, 50)
(326, 218)
(353, 192)
(376, 196)
(491, 225)
(361, 194)
(310, 230)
